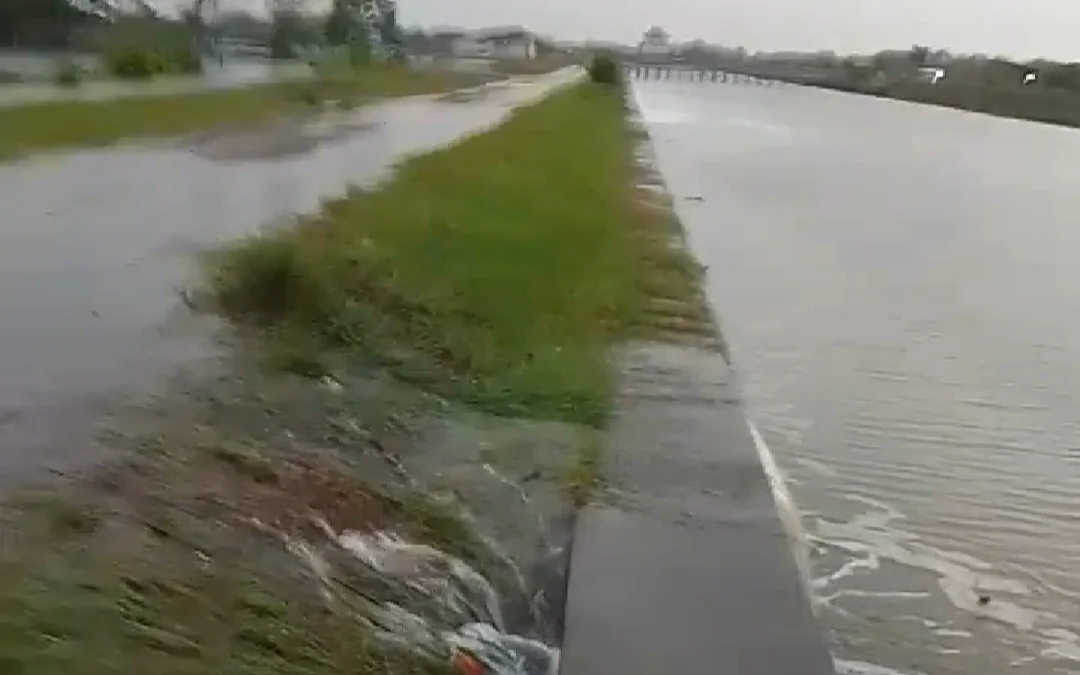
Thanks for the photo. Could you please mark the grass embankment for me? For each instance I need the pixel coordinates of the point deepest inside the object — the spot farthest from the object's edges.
(499, 271)
(1034, 103)
(67, 124)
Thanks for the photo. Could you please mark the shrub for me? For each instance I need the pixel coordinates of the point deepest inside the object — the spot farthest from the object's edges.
(68, 73)
(10, 77)
(270, 277)
(185, 61)
(136, 64)
(604, 70)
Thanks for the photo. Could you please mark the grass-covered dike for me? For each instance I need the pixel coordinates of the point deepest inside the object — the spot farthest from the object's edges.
(499, 271)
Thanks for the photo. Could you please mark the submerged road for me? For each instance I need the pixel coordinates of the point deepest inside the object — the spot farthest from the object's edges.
(94, 244)
(899, 288)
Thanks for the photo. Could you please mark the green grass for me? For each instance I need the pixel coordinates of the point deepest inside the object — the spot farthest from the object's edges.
(499, 271)
(56, 125)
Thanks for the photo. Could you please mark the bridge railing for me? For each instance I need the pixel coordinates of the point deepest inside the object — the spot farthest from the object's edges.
(636, 71)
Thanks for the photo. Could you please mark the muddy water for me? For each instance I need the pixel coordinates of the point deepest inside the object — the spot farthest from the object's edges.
(93, 244)
(898, 287)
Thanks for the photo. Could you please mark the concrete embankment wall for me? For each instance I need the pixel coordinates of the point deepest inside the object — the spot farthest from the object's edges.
(684, 565)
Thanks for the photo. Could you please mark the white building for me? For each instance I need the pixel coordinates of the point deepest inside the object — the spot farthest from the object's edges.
(656, 42)
(511, 43)
(932, 74)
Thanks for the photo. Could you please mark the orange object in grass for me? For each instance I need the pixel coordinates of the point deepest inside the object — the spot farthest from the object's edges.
(466, 664)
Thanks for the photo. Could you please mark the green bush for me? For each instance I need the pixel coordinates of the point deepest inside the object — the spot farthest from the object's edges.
(136, 63)
(68, 73)
(185, 61)
(10, 77)
(271, 277)
(604, 70)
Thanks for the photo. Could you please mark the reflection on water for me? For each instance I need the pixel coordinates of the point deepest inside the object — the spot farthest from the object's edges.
(897, 286)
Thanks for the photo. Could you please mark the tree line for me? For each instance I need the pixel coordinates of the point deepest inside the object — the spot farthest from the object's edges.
(361, 26)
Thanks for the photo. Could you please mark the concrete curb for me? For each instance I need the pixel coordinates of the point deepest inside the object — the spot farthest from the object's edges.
(688, 568)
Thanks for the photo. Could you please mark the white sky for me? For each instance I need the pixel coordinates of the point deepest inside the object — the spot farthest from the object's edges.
(1016, 28)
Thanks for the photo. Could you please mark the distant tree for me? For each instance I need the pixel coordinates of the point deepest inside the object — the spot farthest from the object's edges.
(340, 23)
(701, 54)
(417, 41)
(289, 28)
(919, 55)
(46, 23)
(545, 47)
(827, 57)
(383, 15)
(604, 69)
(1060, 76)
(286, 34)
(365, 27)
(881, 61)
(245, 26)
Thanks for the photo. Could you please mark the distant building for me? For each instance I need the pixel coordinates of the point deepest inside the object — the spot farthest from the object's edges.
(656, 42)
(437, 42)
(511, 42)
(931, 74)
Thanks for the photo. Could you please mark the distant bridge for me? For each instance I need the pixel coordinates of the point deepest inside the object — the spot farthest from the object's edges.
(687, 73)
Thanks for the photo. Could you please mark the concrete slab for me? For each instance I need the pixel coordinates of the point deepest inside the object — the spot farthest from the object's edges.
(648, 597)
(687, 569)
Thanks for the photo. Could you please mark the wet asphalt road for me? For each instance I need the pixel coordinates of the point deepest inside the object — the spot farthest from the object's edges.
(93, 246)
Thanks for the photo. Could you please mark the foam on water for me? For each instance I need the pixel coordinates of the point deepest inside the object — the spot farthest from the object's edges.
(472, 622)
(788, 511)
(659, 113)
(860, 668)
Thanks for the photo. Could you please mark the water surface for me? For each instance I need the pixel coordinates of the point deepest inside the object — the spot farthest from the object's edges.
(93, 245)
(899, 290)
(39, 71)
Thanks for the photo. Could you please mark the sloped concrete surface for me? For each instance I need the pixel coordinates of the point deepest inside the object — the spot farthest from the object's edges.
(686, 568)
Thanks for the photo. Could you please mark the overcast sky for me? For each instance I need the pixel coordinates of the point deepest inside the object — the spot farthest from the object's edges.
(1016, 28)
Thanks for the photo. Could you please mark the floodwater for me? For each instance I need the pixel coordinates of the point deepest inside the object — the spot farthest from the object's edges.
(899, 289)
(93, 245)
